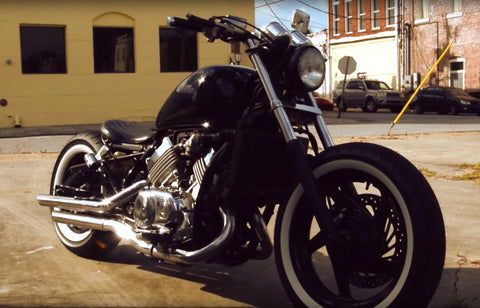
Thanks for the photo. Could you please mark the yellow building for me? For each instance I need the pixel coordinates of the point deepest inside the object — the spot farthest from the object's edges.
(86, 61)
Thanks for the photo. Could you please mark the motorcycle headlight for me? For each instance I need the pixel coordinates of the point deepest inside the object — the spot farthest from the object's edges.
(307, 68)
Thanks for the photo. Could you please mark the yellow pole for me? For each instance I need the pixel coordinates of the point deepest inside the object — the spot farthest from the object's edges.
(420, 86)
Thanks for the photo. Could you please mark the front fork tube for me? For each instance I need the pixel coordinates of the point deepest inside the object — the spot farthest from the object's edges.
(295, 146)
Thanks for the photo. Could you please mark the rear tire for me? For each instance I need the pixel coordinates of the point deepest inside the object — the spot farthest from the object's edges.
(392, 233)
(83, 242)
(370, 106)
(454, 109)
(417, 109)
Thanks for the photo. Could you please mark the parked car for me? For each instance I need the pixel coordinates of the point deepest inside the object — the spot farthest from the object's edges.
(474, 92)
(370, 95)
(323, 103)
(445, 100)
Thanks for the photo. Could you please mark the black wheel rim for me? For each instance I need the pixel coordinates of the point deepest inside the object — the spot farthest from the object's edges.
(375, 268)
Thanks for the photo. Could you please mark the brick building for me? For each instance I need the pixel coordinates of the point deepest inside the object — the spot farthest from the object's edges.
(427, 28)
(398, 41)
(366, 31)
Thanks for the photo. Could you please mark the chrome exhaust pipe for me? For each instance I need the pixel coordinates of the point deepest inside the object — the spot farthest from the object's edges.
(84, 205)
(127, 233)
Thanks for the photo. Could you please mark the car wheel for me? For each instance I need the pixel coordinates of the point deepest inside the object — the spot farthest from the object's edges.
(454, 109)
(417, 109)
(370, 106)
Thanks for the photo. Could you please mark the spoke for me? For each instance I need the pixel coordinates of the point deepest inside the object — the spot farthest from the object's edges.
(316, 242)
(342, 279)
(341, 270)
(341, 197)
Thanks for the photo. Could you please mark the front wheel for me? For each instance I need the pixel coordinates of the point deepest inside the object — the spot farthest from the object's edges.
(389, 246)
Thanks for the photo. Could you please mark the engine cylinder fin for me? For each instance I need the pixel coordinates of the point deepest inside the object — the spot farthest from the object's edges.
(199, 169)
(163, 166)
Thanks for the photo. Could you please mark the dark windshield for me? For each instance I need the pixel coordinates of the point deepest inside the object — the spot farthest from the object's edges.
(457, 92)
(376, 85)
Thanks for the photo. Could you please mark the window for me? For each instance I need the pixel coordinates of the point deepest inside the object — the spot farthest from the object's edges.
(375, 14)
(336, 18)
(349, 16)
(361, 15)
(455, 5)
(457, 73)
(356, 85)
(178, 50)
(421, 9)
(43, 50)
(113, 50)
(390, 8)
(455, 8)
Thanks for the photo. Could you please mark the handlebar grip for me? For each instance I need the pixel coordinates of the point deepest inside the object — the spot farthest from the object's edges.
(183, 23)
(200, 21)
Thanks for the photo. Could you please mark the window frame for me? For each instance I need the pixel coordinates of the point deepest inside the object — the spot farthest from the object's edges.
(23, 56)
(336, 18)
(462, 71)
(196, 62)
(421, 6)
(362, 14)
(133, 64)
(455, 7)
(387, 10)
(348, 17)
(375, 14)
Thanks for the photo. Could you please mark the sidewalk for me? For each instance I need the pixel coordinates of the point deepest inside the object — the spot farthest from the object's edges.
(52, 138)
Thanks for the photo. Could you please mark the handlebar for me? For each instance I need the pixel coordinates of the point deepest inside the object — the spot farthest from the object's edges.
(211, 29)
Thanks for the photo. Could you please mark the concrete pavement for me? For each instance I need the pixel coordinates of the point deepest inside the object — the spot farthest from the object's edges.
(36, 270)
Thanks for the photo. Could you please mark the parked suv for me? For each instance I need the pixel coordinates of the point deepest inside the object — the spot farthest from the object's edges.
(445, 100)
(369, 95)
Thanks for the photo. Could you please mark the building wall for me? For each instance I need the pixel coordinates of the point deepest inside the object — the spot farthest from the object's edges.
(371, 59)
(80, 96)
(432, 34)
(374, 49)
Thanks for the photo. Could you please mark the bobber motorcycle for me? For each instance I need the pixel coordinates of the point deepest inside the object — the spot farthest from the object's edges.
(356, 224)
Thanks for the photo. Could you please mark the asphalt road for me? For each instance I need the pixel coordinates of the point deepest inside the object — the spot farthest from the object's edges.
(36, 270)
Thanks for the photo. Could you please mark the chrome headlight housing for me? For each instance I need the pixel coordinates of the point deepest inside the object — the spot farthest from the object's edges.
(307, 68)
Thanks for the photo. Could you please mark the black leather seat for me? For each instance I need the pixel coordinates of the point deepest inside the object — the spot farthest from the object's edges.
(117, 131)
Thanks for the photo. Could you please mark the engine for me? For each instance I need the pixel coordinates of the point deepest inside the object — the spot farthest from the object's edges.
(166, 207)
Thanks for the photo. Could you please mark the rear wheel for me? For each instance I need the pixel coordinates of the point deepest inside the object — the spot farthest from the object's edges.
(417, 109)
(454, 109)
(370, 105)
(390, 243)
(68, 181)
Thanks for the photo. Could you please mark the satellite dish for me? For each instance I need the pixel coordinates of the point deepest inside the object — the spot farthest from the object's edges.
(300, 21)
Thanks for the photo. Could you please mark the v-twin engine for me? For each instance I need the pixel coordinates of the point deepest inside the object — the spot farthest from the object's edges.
(166, 206)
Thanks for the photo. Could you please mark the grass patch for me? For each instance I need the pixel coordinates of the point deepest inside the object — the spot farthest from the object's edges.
(472, 173)
(428, 173)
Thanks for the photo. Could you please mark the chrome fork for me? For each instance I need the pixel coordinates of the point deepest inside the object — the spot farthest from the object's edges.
(279, 109)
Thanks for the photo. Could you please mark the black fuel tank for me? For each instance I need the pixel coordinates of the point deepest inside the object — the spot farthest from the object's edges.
(215, 94)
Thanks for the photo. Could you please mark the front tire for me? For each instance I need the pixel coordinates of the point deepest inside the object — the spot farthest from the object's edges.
(83, 242)
(392, 237)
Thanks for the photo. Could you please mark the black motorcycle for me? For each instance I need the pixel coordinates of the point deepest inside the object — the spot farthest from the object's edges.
(356, 225)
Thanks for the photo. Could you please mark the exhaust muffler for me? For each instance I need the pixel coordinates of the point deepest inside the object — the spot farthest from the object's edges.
(126, 232)
(84, 205)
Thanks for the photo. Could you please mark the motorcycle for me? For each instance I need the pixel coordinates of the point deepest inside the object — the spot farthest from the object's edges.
(356, 224)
